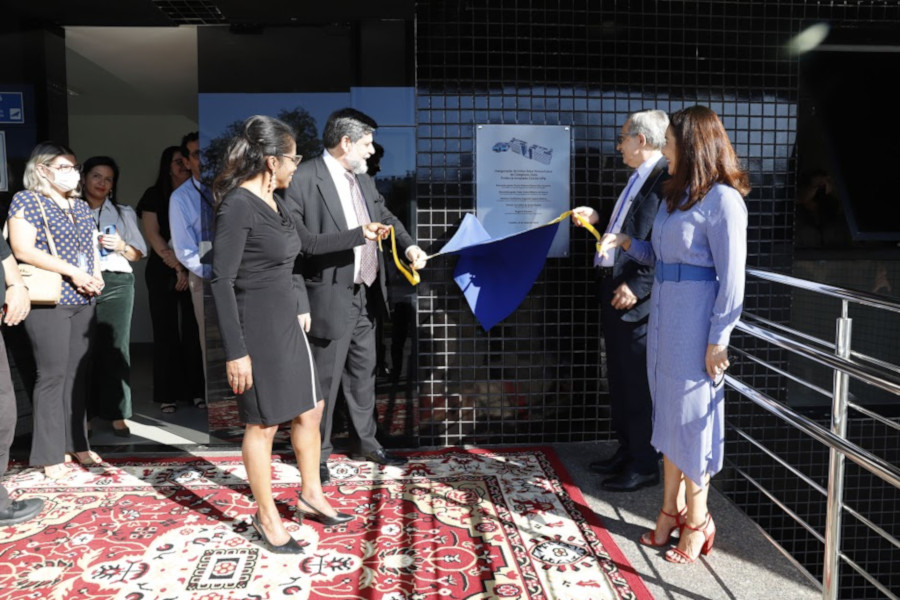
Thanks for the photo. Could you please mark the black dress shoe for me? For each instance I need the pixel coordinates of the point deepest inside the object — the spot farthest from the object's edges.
(313, 513)
(124, 432)
(610, 466)
(383, 457)
(20, 510)
(629, 481)
(289, 547)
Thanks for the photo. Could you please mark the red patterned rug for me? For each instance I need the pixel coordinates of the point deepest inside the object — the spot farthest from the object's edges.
(454, 524)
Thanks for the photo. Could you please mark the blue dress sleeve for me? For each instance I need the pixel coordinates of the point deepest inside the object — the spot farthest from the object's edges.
(727, 234)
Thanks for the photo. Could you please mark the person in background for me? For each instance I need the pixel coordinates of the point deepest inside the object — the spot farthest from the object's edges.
(61, 334)
(177, 360)
(190, 222)
(340, 293)
(623, 290)
(699, 246)
(268, 361)
(16, 306)
(120, 244)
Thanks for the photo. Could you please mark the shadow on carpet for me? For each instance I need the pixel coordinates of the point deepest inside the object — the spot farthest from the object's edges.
(454, 523)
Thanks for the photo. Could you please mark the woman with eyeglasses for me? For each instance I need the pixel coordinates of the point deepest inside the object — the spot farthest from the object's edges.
(120, 244)
(177, 360)
(268, 361)
(60, 334)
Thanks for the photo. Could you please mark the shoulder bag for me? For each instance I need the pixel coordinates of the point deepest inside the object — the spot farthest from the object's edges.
(44, 287)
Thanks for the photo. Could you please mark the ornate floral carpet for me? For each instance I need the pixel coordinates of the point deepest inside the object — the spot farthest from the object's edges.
(455, 524)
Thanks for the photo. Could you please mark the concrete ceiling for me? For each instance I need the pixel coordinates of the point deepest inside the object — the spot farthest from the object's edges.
(132, 70)
(140, 56)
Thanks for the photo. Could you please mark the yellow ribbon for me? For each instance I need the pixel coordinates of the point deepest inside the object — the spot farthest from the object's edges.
(412, 276)
(584, 223)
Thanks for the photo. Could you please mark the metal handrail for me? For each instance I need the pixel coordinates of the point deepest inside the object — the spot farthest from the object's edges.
(866, 298)
(845, 364)
(862, 371)
(874, 464)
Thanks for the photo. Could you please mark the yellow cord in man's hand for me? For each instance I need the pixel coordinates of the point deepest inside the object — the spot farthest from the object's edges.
(584, 223)
(412, 276)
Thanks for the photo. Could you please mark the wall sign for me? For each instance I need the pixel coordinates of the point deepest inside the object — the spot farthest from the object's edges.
(522, 179)
(12, 108)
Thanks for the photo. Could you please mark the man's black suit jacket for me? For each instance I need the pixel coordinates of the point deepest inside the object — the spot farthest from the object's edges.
(325, 283)
(638, 223)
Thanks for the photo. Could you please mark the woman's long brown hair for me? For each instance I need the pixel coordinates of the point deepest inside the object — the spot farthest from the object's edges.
(704, 158)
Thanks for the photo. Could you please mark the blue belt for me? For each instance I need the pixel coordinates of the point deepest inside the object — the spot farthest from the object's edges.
(683, 272)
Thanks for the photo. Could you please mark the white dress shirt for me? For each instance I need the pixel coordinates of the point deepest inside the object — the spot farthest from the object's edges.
(623, 205)
(125, 221)
(338, 171)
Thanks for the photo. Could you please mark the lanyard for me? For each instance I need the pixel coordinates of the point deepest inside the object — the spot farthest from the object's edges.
(99, 215)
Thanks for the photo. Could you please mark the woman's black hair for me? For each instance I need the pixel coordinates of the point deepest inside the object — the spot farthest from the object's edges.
(260, 136)
(103, 161)
(164, 174)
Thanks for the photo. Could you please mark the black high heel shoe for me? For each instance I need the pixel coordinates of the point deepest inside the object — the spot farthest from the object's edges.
(316, 515)
(289, 547)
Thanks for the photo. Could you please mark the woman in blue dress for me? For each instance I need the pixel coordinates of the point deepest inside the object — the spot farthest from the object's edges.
(699, 245)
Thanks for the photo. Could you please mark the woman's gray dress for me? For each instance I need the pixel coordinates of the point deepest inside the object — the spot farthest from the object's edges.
(685, 317)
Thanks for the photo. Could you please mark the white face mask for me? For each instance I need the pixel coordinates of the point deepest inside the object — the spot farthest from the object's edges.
(66, 181)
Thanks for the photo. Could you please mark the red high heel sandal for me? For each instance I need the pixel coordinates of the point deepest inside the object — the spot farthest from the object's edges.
(649, 538)
(676, 555)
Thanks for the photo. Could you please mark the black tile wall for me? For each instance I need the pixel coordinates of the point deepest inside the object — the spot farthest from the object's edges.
(538, 377)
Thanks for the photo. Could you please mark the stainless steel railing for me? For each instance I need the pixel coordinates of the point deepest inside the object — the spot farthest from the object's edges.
(845, 364)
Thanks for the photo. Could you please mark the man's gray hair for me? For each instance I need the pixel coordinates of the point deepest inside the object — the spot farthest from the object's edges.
(347, 121)
(652, 124)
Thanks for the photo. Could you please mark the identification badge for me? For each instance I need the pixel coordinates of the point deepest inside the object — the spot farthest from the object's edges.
(83, 262)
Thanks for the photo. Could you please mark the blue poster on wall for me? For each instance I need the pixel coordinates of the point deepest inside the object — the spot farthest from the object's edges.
(12, 108)
(522, 179)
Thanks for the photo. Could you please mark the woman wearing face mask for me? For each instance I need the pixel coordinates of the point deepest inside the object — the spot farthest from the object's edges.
(59, 334)
(120, 244)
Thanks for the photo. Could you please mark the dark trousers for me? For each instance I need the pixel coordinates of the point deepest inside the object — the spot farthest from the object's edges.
(177, 359)
(7, 420)
(629, 392)
(61, 339)
(348, 364)
(110, 395)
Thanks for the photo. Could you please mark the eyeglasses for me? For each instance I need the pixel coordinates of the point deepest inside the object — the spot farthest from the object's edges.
(64, 168)
(622, 136)
(294, 157)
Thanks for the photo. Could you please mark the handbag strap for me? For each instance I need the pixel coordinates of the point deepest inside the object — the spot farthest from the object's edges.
(50, 242)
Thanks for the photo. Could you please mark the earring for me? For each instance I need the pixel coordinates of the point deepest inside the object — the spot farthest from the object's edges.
(271, 186)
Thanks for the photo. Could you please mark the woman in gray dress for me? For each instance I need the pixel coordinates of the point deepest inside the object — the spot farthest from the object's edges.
(699, 245)
(268, 362)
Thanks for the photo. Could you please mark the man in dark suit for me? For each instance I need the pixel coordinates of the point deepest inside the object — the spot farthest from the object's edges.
(16, 306)
(341, 293)
(624, 287)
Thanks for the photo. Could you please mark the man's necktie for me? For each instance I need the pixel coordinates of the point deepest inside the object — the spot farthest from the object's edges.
(625, 195)
(598, 261)
(368, 258)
